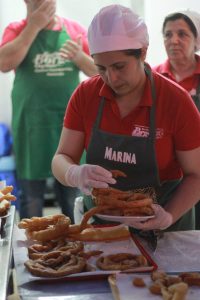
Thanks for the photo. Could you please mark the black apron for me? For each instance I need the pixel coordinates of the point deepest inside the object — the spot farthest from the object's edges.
(135, 156)
(196, 98)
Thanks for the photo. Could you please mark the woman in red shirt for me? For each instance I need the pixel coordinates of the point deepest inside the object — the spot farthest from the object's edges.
(134, 120)
(181, 34)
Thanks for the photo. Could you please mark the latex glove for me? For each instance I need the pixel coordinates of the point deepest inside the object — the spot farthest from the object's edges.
(72, 50)
(162, 220)
(86, 177)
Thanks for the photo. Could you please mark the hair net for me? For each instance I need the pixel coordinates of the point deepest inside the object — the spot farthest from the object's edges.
(116, 27)
(195, 18)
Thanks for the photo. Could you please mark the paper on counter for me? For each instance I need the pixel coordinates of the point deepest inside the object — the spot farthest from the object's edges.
(127, 291)
(178, 251)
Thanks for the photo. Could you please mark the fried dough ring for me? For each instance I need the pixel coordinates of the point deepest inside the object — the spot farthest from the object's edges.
(39, 223)
(52, 232)
(39, 250)
(121, 261)
(124, 204)
(5, 193)
(94, 210)
(110, 192)
(56, 264)
(138, 211)
(191, 278)
(8, 197)
(129, 203)
(7, 189)
(90, 253)
(118, 173)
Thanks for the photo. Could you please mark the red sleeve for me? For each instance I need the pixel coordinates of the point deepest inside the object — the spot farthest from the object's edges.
(74, 116)
(187, 125)
(12, 31)
(178, 114)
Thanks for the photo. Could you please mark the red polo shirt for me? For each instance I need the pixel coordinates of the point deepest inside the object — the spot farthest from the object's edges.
(189, 83)
(177, 119)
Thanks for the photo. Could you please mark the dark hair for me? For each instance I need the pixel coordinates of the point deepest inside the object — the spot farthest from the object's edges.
(176, 16)
(134, 52)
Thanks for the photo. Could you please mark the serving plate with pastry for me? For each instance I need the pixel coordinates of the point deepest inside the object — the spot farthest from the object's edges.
(122, 206)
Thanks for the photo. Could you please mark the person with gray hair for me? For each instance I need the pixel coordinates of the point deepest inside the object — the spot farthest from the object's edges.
(131, 119)
(181, 35)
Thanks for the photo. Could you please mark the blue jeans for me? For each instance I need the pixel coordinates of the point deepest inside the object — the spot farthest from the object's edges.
(31, 198)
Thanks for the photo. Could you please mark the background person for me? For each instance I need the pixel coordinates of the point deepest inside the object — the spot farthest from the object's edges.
(181, 34)
(44, 81)
(127, 109)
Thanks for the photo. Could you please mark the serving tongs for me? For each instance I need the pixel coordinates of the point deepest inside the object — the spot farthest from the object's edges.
(151, 237)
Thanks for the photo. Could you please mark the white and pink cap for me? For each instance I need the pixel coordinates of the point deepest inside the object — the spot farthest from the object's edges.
(116, 27)
(195, 18)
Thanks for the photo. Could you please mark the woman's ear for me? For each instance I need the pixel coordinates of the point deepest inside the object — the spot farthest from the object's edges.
(144, 53)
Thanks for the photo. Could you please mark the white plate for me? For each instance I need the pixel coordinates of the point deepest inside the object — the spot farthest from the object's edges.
(123, 219)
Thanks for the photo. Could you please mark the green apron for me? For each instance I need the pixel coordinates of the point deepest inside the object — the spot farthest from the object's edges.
(42, 87)
(144, 173)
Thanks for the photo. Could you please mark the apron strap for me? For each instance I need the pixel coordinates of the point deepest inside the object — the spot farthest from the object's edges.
(100, 112)
(196, 98)
(152, 127)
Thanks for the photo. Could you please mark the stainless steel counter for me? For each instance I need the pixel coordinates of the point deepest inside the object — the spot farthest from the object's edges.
(6, 253)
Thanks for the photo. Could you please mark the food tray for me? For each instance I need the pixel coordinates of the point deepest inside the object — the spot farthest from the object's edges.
(130, 245)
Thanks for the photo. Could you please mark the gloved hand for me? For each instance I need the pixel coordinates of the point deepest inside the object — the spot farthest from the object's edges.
(162, 220)
(86, 177)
